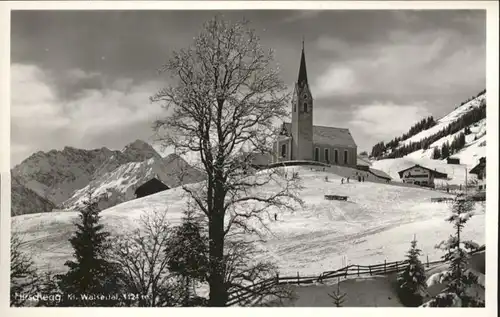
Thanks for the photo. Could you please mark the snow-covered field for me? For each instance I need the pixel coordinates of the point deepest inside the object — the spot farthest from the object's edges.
(375, 224)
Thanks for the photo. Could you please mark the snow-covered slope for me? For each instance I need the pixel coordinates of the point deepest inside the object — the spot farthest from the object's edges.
(470, 154)
(446, 120)
(375, 224)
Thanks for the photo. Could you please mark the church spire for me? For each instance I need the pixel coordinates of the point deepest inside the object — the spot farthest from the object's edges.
(302, 70)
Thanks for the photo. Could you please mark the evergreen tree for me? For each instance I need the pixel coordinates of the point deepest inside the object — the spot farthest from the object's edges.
(188, 256)
(412, 281)
(445, 150)
(457, 277)
(90, 280)
(337, 296)
(436, 154)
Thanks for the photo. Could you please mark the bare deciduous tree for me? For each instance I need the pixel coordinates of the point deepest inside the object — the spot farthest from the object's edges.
(24, 281)
(225, 107)
(243, 273)
(143, 261)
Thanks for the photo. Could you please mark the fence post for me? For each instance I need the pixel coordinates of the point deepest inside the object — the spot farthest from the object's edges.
(277, 278)
(397, 266)
(358, 270)
(385, 265)
(298, 278)
(346, 270)
(427, 260)
(370, 268)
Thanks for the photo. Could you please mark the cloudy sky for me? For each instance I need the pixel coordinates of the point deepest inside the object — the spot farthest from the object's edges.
(83, 79)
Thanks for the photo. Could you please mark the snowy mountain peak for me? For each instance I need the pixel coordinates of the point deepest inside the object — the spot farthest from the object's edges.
(139, 151)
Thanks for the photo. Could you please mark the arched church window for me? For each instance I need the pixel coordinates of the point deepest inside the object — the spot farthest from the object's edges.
(305, 96)
(283, 150)
(336, 156)
(305, 106)
(345, 157)
(316, 154)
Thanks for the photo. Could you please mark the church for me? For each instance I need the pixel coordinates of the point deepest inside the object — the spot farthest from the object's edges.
(302, 140)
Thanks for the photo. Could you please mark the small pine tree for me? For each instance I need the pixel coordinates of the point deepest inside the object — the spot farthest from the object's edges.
(188, 258)
(458, 279)
(445, 150)
(436, 154)
(337, 296)
(412, 281)
(90, 280)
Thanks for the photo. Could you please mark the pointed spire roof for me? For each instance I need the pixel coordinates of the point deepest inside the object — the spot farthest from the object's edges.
(302, 69)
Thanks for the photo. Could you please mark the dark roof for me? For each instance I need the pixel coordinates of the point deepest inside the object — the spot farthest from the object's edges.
(153, 184)
(328, 135)
(481, 166)
(363, 162)
(436, 173)
(380, 174)
(302, 69)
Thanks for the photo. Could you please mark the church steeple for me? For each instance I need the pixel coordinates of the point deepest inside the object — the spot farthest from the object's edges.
(302, 69)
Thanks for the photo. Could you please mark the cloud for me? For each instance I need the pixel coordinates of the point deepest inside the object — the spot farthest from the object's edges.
(383, 121)
(78, 74)
(337, 79)
(426, 63)
(327, 43)
(301, 15)
(113, 115)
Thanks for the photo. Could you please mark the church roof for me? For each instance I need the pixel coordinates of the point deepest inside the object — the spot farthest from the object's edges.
(328, 135)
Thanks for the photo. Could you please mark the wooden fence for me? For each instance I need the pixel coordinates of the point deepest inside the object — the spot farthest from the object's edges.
(385, 268)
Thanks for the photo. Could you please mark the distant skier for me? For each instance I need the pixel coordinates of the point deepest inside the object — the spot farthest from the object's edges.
(359, 178)
(275, 217)
(348, 179)
(363, 178)
(342, 181)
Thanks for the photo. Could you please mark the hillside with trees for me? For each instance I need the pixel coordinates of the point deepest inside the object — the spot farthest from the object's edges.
(396, 148)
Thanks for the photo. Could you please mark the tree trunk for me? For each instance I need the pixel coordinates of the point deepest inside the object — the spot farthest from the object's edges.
(218, 294)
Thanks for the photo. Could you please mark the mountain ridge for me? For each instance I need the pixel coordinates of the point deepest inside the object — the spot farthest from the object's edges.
(58, 179)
